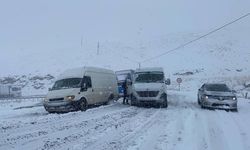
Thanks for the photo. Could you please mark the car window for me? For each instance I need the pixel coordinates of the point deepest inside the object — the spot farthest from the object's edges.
(217, 87)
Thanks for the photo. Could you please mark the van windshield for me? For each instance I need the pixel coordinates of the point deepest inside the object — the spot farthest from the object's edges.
(67, 83)
(149, 77)
(123, 77)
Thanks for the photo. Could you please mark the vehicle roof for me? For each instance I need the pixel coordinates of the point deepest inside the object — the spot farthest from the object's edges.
(214, 84)
(149, 69)
(124, 71)
(79, 72)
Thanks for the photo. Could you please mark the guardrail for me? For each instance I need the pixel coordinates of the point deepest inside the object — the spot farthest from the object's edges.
(23, 98)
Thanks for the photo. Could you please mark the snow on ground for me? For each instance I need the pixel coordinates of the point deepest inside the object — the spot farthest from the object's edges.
(183, 125)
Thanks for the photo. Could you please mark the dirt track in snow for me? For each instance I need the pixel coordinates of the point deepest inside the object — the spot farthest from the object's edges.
(183, 125)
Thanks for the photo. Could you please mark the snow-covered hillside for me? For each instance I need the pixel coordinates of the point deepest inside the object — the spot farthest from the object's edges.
(224, 54)
(31, 85)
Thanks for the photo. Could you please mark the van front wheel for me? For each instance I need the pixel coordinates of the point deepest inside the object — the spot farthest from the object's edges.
(83, 105)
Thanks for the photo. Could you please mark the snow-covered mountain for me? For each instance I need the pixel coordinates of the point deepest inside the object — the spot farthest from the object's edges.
(225, 54)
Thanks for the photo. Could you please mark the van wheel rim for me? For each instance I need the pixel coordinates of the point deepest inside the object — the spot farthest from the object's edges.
(83, 105)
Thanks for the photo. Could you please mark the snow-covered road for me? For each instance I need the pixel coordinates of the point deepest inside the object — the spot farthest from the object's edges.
(183, 125)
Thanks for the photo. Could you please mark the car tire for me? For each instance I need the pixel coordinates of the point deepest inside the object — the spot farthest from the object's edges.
(83, 105)
(198, 101)
(202, 106)
(165, 102)
(235, 110)
(133, 101)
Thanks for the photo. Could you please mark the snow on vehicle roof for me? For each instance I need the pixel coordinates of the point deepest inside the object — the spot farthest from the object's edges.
(158, 69)
(79, 72)
(124, 71)
(215, 84)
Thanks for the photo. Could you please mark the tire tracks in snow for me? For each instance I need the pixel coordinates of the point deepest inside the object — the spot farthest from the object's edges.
(12, 126)
(24, 135)
(232, 131)
(125, 136)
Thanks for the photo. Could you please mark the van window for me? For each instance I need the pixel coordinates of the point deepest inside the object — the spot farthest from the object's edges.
(87, 80)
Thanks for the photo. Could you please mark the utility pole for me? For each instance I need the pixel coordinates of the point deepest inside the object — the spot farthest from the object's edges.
(139, 65)
(98, 48)
(81, 42)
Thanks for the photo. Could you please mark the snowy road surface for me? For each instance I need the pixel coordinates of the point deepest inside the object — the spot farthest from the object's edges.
(183, 125)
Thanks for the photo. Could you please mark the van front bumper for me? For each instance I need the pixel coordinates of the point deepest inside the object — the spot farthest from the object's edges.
(136, 99)
(62, 106)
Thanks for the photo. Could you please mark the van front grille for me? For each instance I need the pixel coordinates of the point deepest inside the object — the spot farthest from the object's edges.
(56, 99)
(147, 93)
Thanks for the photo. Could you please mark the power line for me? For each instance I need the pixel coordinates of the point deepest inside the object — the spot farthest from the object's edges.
(194, 40)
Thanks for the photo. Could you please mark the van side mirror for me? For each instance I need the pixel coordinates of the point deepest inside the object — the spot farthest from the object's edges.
(168, 82)
(50, 89)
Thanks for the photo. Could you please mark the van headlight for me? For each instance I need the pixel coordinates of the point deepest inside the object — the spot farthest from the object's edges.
(234, 98)
(70, 98)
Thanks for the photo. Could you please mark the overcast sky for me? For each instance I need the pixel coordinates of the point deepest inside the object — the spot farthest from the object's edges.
(38, 25)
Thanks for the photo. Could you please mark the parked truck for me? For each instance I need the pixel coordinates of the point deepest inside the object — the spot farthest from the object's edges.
(7, 91)
(123, 75)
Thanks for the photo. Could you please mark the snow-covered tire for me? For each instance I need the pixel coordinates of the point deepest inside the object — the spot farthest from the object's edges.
(133, 101)
(83, 105)
(164, 104)
(234, 110)
(202, 106)
(198, 101)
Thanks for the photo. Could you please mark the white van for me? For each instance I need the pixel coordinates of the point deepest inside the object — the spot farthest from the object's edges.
(149, 87)
(76, 89)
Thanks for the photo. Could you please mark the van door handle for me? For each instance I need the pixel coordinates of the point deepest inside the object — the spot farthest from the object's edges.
(92, 90)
